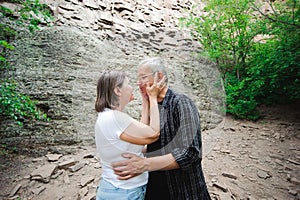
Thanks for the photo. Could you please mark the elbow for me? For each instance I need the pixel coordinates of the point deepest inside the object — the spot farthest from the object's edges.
(155, 135)
(140, 141)
(153, 138)
(187, 157)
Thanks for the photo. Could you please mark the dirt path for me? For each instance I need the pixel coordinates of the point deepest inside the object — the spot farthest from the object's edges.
(257, 160)
(241, 160)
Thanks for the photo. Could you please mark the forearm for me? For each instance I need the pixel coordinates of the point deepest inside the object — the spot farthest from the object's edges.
(165, 162)
(135, 165)
(154, 114)
(145, 118)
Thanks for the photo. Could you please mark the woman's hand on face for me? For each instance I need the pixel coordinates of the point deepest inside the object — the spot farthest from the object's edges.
(157, 86)
(143, 92)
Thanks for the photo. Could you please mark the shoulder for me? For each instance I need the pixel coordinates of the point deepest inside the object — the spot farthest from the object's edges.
(105, 113)
(121, 118)
(108, 114)
(177, 97)
(183, 103)
(119, 114)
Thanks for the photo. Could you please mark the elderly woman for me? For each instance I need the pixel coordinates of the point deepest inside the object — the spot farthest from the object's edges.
(116, 133)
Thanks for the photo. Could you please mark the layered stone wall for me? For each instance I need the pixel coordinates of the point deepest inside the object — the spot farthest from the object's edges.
(59, 65)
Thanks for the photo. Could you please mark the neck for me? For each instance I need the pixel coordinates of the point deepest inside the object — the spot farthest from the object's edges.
(162, 94)
(120, 108)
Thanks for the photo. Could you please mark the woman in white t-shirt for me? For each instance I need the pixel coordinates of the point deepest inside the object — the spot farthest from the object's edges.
(116, 133)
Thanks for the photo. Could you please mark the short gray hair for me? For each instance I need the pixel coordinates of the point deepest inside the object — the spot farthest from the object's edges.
(156, 64)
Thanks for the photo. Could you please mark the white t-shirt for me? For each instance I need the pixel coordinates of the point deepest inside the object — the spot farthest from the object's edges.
(108, 128)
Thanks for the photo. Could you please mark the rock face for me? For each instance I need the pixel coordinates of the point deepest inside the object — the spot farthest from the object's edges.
(59, 65)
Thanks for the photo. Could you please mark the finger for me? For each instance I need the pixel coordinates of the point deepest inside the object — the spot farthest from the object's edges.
(121, 173)
(163, 80)
(147, 85)
(125, 177)
(163, 85)
(119, 164)
(120, 168)
(155, 77)
(127, 155)
(123, 162)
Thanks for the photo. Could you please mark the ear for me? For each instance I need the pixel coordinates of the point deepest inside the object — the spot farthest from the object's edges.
(160, 75)
(117, 91)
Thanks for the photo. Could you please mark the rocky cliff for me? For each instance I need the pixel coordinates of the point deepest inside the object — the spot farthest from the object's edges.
(59, 65)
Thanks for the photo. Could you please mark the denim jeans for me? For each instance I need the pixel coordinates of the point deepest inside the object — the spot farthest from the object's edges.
(106, 191)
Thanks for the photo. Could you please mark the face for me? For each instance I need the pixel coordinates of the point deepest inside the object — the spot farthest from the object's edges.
(126, 92)
(145, 75)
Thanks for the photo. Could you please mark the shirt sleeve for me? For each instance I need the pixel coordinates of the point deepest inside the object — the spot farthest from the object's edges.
(122, 121)
(188, 149)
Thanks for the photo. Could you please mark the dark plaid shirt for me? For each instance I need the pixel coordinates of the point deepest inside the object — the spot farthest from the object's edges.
(180, 135)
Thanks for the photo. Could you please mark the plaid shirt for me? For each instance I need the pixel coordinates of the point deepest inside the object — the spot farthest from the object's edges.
(180, 135)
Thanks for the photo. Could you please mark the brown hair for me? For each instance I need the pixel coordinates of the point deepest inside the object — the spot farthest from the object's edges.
(106, 97)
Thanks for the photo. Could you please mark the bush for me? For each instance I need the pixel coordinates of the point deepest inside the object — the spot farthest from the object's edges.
(16, 105)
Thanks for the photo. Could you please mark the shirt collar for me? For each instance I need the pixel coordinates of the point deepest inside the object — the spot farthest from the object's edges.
(168, 97)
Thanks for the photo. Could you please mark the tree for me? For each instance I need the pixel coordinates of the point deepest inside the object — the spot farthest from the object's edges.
(253, 73)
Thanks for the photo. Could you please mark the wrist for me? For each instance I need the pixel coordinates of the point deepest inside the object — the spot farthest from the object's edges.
(153, 99)
(147, 164)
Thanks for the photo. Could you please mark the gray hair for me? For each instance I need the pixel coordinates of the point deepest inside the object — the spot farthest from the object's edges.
(156, 64)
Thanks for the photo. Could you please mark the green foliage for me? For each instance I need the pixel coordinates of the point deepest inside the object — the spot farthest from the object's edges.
(34, 12)
(279, 69)
(254, 72)
(30, 14)
(17, 105)
(226, 30)
(240, 98)
(277, 61)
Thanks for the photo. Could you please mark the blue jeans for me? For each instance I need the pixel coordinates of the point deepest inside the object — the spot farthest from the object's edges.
(106, 191)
